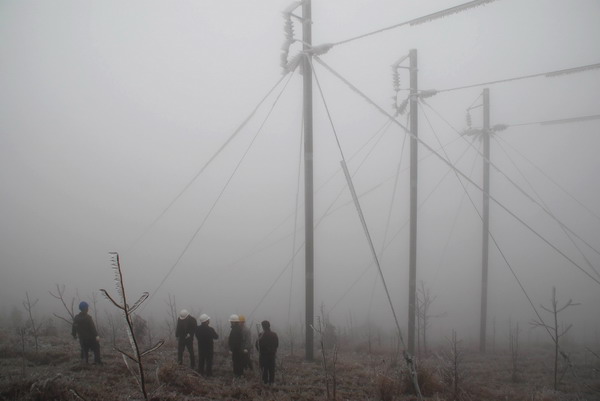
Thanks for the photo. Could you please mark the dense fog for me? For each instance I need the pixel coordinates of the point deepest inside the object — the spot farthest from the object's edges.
(133, 127)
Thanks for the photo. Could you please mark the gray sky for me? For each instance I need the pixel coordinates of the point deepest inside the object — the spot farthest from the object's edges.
(108, 109)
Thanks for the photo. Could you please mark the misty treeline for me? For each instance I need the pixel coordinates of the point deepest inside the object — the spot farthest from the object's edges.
(548, 328)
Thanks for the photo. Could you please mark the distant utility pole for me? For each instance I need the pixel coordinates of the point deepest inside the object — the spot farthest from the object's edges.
(308, 177)
(412, 259)
(486, 218)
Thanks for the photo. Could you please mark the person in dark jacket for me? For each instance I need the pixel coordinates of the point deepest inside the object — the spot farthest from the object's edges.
(236, 343)
(246, 344)
(185, 330)
(266, 345)
(205, 335)
(85, 329)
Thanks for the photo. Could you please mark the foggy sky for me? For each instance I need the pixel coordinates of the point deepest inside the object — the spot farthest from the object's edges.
(109, 109)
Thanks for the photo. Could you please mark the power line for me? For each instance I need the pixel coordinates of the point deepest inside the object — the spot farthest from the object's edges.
(565, 230)
(386, 245)
(359, 209)
(550, 74)
(590, 265)
(491, 236)
(591, 212)
(189, 243)
(559, 121)
(528, 196)
(213, 157)
(448, 163)
(421, 20)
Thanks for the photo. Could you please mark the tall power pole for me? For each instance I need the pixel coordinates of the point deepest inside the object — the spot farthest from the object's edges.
(486, 218)
(412, 259)
(308, 178)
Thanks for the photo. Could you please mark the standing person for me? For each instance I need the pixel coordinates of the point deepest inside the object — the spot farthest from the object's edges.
(205, 335)
(236, 346)
(84, 327)
(267, 344)
(185, 330)
(246, 344)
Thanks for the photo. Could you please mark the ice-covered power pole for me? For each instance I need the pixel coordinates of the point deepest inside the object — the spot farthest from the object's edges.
(413, 102)
(308, 176)
(303, 60)
(414, 163)
(486, 219)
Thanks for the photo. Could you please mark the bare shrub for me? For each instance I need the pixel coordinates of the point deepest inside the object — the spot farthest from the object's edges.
(429, 382)
(450, 368)
(513, 345)
(28, 304)
(182, 380)
(69, 307)
(387, 387)
(554, 331)
(127, 310)
(328, 343)
(50, 389)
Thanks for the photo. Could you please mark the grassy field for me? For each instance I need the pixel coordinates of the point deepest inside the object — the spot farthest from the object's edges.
(55, 372)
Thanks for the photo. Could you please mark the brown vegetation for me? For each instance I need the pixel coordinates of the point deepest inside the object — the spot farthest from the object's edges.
(55, 372)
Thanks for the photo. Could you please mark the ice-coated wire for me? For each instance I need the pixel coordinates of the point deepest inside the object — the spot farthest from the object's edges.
(213, 157)
(223, 189)
(449, 164)
(531, 198)
(371, 246)
(421, 20)
(569, 236)
(552, 180)
(541, 74)
(490, 233)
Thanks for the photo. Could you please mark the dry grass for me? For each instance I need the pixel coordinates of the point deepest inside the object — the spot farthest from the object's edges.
(56, 370)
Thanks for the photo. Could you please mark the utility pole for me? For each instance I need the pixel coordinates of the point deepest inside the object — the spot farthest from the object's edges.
(486, 218)
(308, 177)
(412, 259)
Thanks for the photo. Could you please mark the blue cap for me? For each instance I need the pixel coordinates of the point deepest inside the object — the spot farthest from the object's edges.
(83, 306)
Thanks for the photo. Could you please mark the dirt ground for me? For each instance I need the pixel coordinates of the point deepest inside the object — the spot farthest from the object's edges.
(55, 372)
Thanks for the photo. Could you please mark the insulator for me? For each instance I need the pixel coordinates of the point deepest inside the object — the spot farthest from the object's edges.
(469, 120)
(396, 80)
(320, 49)
(403, 106)
(288, 28)
(499, 127)
(471, 132)
(427, 93)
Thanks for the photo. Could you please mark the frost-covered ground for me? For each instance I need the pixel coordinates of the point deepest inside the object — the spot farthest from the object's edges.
(56, 373)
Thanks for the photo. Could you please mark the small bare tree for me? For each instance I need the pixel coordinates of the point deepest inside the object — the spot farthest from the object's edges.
(424, 302)
(60, 295)
(127, 310)
(172, 314)
(451, 365)
(513, 345)
(321, 329)
(29, 305)
(555, 332)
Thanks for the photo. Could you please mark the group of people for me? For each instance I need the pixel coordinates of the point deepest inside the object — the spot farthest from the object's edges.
(239, 342)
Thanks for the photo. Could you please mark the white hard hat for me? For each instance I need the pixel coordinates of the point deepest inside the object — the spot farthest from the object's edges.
(204, 317)
(234, 318)
(183, 314)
